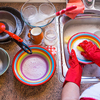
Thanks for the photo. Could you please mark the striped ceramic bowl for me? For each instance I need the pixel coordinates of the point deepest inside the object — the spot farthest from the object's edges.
(79, 37)
(34, 69)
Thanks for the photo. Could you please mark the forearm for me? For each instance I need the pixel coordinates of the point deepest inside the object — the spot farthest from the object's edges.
(70, 91)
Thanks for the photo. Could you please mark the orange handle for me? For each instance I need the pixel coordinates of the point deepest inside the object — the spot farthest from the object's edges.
(14, 36)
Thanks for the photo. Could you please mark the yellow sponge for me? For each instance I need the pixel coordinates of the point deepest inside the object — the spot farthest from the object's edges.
(80, 48)
(66, 39)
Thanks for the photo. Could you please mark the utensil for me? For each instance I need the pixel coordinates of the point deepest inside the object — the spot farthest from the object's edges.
(35, 69)
(58, 13)
(3, 29)
(16, 38)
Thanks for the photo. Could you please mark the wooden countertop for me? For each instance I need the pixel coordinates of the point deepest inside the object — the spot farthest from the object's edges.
(12, 89)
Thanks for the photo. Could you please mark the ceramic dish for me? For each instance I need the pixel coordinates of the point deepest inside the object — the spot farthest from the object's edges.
(34, 69)
(79, 37)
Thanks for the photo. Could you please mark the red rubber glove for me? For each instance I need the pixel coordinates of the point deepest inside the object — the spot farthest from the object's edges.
(75, 71)
(92, 52)
(87, 98)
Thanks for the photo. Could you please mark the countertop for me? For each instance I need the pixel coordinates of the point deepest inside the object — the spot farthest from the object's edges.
(12, 89)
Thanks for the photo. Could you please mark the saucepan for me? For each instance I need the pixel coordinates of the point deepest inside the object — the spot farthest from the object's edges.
(8, 28)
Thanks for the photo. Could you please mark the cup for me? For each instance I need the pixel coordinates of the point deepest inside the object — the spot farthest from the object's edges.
(50, 37)
(36, 35)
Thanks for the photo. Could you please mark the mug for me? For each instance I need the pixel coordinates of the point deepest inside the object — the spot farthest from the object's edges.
(36, 35)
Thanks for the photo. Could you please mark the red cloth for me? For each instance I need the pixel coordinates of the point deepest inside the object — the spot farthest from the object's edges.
(52, 49)
(85, 98)
(80, 8)
(75, 71)
(92, 52)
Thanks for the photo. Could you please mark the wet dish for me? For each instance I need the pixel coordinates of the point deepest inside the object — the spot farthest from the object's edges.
(34, 69)
(79, 37)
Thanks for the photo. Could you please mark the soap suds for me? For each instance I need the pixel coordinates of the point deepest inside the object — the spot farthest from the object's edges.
(73, 29)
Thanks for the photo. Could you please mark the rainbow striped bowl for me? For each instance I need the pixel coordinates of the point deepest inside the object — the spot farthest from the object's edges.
(79, 37)
(34, 69)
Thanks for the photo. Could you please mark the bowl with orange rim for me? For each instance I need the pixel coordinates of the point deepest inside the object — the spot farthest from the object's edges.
(36, 68)
(78, 38)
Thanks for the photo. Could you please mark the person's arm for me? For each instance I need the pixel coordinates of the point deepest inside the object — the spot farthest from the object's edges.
(72, 81)
(70, 91)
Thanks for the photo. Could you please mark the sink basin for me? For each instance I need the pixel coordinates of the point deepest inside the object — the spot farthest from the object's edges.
(87, 22)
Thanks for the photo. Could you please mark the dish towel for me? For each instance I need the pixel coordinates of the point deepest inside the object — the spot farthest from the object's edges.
(52, 49)
(80, 8)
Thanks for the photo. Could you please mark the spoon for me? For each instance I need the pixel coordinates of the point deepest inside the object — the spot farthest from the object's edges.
(3, 29)
(16, 38)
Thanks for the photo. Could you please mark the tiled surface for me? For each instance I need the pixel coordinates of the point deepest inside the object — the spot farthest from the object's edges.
(12, 89)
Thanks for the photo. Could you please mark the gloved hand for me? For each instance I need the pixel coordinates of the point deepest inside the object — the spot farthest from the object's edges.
(75, 71)
(92, 52)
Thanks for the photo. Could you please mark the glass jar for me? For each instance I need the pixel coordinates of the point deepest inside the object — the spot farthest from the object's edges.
(50, 37)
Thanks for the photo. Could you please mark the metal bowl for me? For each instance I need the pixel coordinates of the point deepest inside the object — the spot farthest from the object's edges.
(4, 61)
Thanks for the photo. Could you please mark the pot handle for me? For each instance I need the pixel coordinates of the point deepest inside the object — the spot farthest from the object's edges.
(23, 46)
(89, 4)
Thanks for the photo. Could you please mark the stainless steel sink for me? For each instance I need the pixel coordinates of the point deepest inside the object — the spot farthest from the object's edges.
(87, 22)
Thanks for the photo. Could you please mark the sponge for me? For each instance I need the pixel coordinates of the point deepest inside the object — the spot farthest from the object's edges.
(80, 48)
(66, 39)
